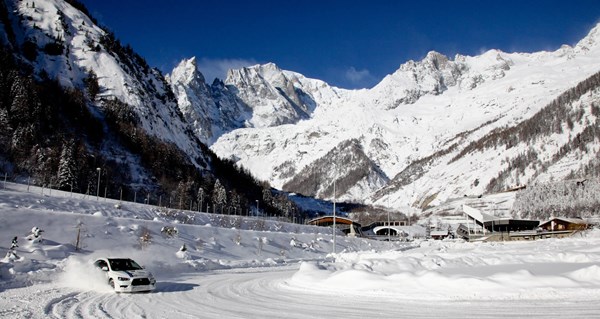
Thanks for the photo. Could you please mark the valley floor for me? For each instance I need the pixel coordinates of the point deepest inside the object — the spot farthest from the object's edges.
(283, 271)
(263, 293)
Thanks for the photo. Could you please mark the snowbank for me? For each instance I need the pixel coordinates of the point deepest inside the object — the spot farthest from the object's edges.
(151, 235)
(456, 270)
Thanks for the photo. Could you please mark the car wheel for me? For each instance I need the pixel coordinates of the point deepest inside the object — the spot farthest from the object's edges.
(111, 282)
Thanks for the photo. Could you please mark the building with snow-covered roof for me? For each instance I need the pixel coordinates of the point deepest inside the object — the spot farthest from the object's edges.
(480, 224)
(397, 231)
(439, 234)
(346, 225)
(562, 223)
(493, 223)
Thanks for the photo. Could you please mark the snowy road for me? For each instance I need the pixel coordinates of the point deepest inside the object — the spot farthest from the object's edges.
(259, 293)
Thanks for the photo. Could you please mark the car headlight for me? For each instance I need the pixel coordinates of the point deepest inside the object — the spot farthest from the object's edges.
(123, 278)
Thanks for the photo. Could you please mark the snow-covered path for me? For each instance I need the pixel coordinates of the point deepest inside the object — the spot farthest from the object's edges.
(260, 293)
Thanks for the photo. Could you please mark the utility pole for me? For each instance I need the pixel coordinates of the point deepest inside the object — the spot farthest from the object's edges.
(201, 199)
(98, 188)
(389, 227)
(334, 215)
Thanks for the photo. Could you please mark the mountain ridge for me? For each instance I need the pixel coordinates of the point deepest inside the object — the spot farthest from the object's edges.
(412, 132)
(401, 119)
(81, 111)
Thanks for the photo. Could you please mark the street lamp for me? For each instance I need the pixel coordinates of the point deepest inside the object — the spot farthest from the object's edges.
(98, 189)
(389, 226)
(334, 215)
(201, 198)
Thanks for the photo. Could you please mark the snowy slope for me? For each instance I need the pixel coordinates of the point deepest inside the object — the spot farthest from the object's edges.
(425, 107)
(287, 270)
(84, 47)
(114, 228)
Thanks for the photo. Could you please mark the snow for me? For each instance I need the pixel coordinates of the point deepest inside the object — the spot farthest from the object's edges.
(284, 271)
(275, 122)
(422, 108)
(142, 90)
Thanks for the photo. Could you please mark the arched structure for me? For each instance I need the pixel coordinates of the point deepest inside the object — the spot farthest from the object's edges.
(346, 225)
(383, 230)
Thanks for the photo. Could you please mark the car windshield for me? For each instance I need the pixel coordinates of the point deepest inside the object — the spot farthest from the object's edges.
(123, 264)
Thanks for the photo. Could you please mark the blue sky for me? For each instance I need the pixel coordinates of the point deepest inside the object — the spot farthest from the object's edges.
(350, 44)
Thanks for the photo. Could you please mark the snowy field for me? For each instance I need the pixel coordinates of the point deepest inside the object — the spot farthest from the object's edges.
(266, 269)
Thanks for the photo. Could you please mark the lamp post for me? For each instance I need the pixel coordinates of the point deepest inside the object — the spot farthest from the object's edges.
(201, 198)
(257, 208)
(389, 226)
(334, 216)
(98, 189)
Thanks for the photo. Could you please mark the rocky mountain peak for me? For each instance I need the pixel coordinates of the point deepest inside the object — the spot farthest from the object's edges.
(186, 72)
(591, 41)
(436, 60)
(414, 79)
(274, 95)
(269, 73)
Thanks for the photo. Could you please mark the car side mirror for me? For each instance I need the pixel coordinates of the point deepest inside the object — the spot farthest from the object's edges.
(104, 268)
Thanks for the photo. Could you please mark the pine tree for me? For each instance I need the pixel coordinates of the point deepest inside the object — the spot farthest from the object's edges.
(19, 108)
(234, 200)
(5, 128)
(91, 84)
(219, 195)
(200, 197)
(67, 174)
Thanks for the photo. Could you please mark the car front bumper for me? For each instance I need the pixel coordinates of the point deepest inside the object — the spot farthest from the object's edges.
(135, 285)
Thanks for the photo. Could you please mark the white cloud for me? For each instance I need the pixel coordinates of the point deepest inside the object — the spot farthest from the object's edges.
(217, 68)
(356, 76)
(359, 78)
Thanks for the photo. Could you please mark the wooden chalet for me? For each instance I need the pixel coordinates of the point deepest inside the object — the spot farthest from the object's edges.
(560, 224)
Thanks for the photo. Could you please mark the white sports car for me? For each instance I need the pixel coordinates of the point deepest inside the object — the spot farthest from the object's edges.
(125, 275)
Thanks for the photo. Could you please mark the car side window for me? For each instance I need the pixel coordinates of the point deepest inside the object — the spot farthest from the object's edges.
(100, 264)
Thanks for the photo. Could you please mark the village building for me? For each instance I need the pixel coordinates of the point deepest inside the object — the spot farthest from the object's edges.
(560, 224)
(346, 225)
(439, 234)
(482, 226)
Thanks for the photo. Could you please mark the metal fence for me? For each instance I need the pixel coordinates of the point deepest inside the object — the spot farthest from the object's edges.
(28, 184)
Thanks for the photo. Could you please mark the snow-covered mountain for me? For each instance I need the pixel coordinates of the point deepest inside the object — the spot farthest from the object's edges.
(434, 129)
(414, 126)
(253, 97)
(211, 110)
(81, 111)
(61, 42)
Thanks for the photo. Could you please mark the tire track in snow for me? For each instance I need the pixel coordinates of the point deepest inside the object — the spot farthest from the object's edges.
(89, 304)
(267, 293)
